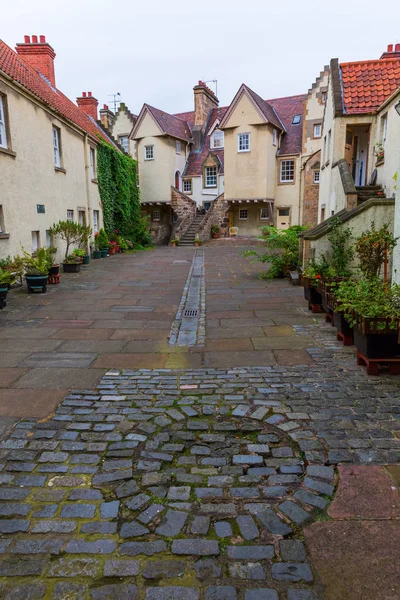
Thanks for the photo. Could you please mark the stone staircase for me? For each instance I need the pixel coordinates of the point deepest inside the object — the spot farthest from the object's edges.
(189, 237)
(366, 192)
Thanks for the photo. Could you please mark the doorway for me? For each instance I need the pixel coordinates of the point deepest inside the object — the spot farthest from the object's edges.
(177, 180)
(356, 153)
(283, 218)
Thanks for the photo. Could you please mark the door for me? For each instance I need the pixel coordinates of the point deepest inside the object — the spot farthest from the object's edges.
(361, 155)
(177, 178)
(349, 148)
(283, 218)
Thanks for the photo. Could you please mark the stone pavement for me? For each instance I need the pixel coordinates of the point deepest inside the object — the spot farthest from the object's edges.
(209, 474)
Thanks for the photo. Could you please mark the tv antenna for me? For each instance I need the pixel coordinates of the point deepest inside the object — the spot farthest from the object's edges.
(215, 81)
(115, 101)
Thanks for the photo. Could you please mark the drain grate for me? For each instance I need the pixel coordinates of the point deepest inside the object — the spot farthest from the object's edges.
(190, 313)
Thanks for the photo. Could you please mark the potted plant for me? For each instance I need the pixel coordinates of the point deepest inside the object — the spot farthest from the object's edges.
(310, 278)
(112, 248)
(197, 240)
(96, 251)
(71, 233)
(123, 244)
(379, 153)
(37, 269)
(215, 231)
(175, 242)
(71, 264)
(55, 267)
(6, 280)
(79, 255)
(102, 242)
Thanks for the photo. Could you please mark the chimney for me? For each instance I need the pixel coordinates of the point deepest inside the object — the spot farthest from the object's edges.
(204, 101)
(393, 51)
(39, 54)
(107, 117)
(88, 104)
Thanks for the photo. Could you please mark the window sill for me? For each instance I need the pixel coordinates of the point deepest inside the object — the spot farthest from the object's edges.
(94, 181)
(59, 170)
(379, 163)
(7, 151)
(148, 159)
(328, 162)
(286, 182)
(4, 236)
(242, 151)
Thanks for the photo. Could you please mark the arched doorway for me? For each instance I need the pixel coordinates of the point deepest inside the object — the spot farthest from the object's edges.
(177, 180)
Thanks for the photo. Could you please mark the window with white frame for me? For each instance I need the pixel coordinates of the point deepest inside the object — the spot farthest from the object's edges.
(187, 186)
(286, 171)
(3, 131)
(149, 152)
(317, 130)
(70, 215)
(264, 213)
(218, 139)
(274, 137)
(92, 153)
(211, 177)
(156, 215)
(96, 221)
(177, 147)
(383, 129)
(243, 142)
(56, 147)
(243, 213)
(296, 119)
(316, 176)
(35, 240)
(124, 142)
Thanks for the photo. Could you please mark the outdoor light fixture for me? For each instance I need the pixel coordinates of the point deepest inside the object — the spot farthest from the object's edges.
(397, 108)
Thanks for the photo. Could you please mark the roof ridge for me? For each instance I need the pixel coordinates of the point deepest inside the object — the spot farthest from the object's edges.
(372, 60)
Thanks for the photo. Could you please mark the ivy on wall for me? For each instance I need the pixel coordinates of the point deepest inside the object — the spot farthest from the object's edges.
(119, 194)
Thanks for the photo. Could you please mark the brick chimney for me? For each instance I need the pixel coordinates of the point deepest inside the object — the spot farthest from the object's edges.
(39, 54)
(204, 101)
(88, 104)
(393, 51)
(107, 117)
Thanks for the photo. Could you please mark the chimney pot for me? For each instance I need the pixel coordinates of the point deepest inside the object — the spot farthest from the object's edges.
(27, 39)
(42, 39)
(34, 39)
(89, 94)
(83, 94)
(105, 107)
(390, 48)
(397, 48)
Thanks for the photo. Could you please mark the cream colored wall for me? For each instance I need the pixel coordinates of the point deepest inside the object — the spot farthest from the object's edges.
(287, 195)
(314, 111)
(391, 164)
(30, 178)
(201, 195)
(250, 227)
(122, 126)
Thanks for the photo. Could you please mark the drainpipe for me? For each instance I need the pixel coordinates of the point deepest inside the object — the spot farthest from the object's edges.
(87, 182)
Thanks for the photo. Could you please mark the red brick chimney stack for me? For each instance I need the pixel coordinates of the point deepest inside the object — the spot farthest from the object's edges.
(39, 54)
(107, 117)
(88, 104)
(393, 51)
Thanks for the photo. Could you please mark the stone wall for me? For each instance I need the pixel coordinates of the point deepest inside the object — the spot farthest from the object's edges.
(160, 229)
(185, 208)
(218, 214)
(311, 191)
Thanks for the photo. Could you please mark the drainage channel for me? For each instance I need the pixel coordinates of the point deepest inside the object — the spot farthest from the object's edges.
(189, 326)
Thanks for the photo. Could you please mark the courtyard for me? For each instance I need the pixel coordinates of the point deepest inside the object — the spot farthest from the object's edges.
(174, 427)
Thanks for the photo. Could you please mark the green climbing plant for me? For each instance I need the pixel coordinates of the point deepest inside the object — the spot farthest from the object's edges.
(119, 193)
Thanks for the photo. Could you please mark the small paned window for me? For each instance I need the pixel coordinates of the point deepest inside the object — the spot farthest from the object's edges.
(218, 139)
(317, 130)
(243, 142)
(124, 143)
(287, 171)
(156, 215)
(243, 213)
(70, 215)
(316, 176)
(96, 221)
(211, 176)
(149, 152)
(177, 147)
(187, 186)
(3, 131)
(274, 137)
(264, 213)
(56, 147)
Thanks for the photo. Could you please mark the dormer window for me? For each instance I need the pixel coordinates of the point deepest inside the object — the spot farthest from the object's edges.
(296, 119)
(217, 140)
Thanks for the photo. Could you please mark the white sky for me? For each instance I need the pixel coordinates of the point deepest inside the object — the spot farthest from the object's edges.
(156, 51)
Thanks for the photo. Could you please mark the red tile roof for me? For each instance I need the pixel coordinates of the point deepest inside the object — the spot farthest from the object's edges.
(23, 73)
(196, 158)
(287, 108)
(366, 84)
(171, 124)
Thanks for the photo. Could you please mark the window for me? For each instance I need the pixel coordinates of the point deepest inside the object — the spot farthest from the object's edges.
(82, 217)
(177, 147)
(264, 214)
(56, 147)
(92, 163)
(328, 156)
(3, 132)
(70, 215)
(124, 142)
(211, 176)
(187, 186)
(149, 152)
(218, 139)
(323, 97)
(35, 240)
(95, 221)
(243, 214)
(2, 225)
(322, 213)
(317, 130)
(156, 215)
(296, 119)
(383, 130)
(287, 171)
(243, 142)
(274, 137)
(316, 176)
(48, 239)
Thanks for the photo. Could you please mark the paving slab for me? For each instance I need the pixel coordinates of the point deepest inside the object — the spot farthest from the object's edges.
(130, 361)
(25, 403)
(238, 359)
(9, 375)
(59, 379)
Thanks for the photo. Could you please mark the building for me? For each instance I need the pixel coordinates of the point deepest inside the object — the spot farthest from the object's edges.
(47, 150)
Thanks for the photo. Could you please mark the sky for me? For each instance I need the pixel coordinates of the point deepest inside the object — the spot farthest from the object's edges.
(156, 51)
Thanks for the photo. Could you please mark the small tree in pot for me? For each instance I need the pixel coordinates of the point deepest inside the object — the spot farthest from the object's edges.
(37, 269)
(71, 233)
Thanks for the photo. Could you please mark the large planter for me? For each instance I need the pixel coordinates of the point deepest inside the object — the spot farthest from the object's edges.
(3, 295)
(111, 250)
(104, 252)
(96, 253)
(312, 296)
(71, 267)
(54, 270)
(86, 259)
(343, 327)
(36, 282)
(376, 345)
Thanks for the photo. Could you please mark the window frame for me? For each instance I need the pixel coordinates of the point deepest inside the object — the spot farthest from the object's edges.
(57, 154)
(124, 146)
(178, 147)
(70, 215)
(316, 181)
(243, 210)
(146, 149)
(96, 215)
(217, 132)
(264, 208)
(206, 176)
(281, 168)
(3, 124)
(240, 136)
(153, 216)
(320, 131)
(187, 181)
(384, 124)
(35, 237)
(324, 97)
(274, 137)
(92, 162)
